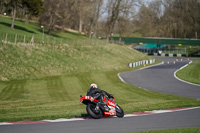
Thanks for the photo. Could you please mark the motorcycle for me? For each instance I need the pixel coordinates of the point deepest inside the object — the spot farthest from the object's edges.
(109, 108)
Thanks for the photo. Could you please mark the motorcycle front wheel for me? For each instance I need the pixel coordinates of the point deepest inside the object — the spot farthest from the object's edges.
(92, 112)
(119, 111)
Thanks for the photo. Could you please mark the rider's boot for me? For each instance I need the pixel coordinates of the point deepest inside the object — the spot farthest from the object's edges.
(97, 106)
(104, 107)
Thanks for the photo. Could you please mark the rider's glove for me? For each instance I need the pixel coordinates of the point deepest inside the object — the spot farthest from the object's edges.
(111, 96)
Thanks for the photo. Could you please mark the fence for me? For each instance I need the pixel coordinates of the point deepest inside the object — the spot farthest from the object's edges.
(45, 40)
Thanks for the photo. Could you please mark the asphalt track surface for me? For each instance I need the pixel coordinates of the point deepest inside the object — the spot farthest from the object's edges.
(179, 119)
(162, 79)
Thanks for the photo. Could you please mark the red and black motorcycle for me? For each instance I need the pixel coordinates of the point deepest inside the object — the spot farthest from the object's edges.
(109, 108)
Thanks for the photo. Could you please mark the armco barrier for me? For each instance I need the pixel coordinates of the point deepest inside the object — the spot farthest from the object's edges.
(179, 55)
(163, 54)
(171, 55)
(139, 63)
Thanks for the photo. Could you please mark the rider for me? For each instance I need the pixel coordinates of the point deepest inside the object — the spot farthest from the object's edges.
(97, 94)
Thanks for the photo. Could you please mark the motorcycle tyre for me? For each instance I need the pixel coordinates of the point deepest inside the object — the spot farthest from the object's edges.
(119, 114)
(90, 107)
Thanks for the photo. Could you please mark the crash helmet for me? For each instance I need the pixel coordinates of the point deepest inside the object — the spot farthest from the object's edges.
(93, 85)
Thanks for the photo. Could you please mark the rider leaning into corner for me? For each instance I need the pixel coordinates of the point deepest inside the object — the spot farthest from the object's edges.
(97, 94)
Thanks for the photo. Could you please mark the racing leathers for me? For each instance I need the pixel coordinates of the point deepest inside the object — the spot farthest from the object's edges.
(97, 94)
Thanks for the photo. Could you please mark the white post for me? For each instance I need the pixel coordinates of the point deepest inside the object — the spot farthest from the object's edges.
(42, 34)
(133, 64)
(130, 65)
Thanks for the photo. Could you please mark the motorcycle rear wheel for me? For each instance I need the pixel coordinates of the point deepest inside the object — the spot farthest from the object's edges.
(92, 112)
(119, 111)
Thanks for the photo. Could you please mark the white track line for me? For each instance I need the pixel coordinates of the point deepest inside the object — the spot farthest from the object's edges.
(64, 120)
(120, 78)
(5, 123)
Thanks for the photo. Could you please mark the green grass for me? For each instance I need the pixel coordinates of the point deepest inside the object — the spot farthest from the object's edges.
(182, 130)
(191, 73)
(44, 81)
(37, 61)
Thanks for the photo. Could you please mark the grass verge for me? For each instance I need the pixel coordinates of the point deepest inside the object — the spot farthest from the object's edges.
(191, 73)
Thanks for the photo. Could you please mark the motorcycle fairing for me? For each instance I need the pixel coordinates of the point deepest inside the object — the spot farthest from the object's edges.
(87, 98)
(110, 113)
(111, 104)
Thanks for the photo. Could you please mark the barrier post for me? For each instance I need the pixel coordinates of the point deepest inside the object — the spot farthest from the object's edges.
(133, 64)
(130, 65)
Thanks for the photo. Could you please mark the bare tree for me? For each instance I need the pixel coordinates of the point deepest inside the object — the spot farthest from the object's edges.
(113, 10)
(32, 6)
(14, 4)
(2, 7)
(83, 8)
(164, 18)
(124, 25)
(183, 18)
(96, 14)
(53, 13)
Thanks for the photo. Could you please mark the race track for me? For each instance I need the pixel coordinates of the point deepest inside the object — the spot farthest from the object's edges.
(161, 78)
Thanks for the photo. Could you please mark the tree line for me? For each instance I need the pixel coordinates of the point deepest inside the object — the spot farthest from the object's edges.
(170, 18)
(156, 18)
